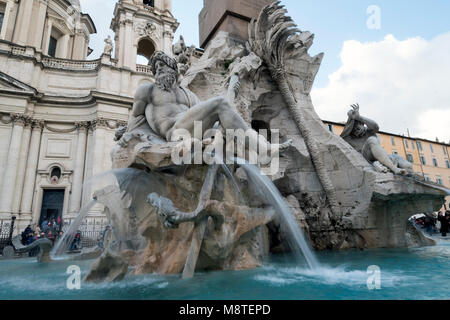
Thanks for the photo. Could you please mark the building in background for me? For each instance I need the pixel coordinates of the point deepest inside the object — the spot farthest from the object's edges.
(430, 159)
(58, 110)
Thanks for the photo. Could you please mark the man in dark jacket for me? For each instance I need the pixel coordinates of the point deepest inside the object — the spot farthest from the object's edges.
(444, 220)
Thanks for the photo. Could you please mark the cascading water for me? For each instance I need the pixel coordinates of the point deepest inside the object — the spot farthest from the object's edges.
(296, 239)
(64, 243)
(130, 180)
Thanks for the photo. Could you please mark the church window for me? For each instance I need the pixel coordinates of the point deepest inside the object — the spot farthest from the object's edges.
(52, 47)
(150, 3)
(1, 20)
(56, 172)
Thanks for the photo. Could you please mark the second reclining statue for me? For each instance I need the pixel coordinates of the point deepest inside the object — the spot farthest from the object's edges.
(361, 134)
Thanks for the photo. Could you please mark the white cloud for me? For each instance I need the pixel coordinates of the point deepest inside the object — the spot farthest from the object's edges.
(400, 84)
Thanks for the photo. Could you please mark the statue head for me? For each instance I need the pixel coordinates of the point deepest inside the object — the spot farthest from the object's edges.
(165, 70)
(354, 128)
(359, 129)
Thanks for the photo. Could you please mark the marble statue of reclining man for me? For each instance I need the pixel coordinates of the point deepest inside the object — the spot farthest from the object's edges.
(166, 106)
(361, 134)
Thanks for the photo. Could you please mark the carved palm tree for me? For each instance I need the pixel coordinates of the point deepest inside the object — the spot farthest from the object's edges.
(275, 37)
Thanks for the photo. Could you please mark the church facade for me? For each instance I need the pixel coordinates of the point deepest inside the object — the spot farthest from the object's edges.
(59, 109)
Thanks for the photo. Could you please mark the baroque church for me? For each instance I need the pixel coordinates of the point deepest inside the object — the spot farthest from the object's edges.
(59, 109)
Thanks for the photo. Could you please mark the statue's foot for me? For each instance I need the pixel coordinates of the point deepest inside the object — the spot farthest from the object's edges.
(380, 168)
(400, 172)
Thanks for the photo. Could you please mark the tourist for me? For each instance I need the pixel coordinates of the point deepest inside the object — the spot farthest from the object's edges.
(104, 235)
(54, 225)
(444, 220)
(44, 225)
(429, 225)
(59, 223)
(25, 234)
(30, 238)
(51, 236)
(76, 242)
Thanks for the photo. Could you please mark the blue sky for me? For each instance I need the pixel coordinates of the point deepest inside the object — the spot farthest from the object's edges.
(335, 21)
(399, 73)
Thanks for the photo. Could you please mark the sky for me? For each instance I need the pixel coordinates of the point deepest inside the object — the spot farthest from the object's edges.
(390, 56)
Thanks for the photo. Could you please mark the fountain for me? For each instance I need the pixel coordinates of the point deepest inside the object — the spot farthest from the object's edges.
(171, 218)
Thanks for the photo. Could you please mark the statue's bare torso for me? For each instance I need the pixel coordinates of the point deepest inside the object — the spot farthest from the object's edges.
(162, 108)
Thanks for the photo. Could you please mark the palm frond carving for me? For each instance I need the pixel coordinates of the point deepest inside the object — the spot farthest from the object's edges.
(275, 37)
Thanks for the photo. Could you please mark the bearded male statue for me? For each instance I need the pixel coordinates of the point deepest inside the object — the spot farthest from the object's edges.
(361, 134)
(166, 106)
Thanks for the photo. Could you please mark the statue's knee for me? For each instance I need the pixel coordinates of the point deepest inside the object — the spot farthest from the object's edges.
(220, 101)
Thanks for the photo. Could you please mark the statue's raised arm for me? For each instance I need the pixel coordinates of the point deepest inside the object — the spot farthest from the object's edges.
(371, 124)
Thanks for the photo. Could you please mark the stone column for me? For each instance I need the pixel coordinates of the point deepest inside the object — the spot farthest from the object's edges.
(167, 42)
(23, 22)
(168, 5)
(23, 156)
(10, 175)
(77, 182)
(8, 8)
(98, 166)
(40, 24)
(47, 36)
(120, 46)
(79, 46)
(129, 59)
(88, 166)
(62, 47)
(30, 173)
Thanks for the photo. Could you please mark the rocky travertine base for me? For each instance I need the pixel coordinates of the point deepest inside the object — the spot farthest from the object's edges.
(108, 268)
(239, 242)
(374, 206)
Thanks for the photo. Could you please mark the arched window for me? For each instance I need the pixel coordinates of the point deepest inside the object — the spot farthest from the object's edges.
(145, 50)
(56, 172)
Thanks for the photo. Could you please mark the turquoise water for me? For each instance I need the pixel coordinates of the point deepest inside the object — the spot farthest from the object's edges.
(422, 273)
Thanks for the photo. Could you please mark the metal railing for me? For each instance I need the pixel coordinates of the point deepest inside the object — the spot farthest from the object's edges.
(91, 230)
(5, 233)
